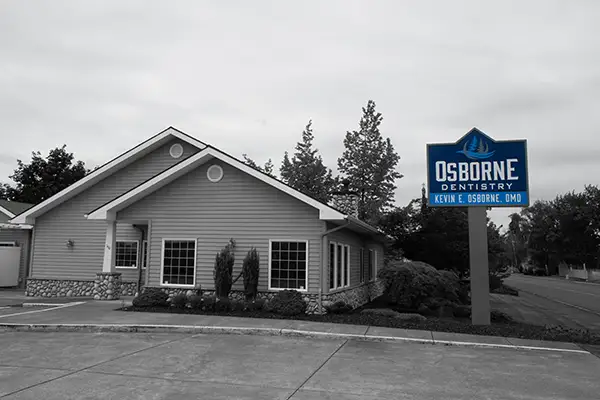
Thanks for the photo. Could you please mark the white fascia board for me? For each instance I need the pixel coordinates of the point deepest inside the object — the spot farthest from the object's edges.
(6, 212)
(109, 210)
(325, 212)
(104, 171)
(15, 226)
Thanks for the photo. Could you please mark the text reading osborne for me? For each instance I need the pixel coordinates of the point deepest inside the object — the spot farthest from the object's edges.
(484, 171)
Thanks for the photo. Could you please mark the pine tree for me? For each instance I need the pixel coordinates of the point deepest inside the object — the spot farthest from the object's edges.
(369, 162)
(306, 172)
(267, 169)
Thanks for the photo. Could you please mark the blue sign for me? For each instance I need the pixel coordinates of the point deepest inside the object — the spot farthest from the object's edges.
(478, 171)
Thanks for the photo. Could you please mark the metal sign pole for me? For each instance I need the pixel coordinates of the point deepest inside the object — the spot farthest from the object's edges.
(478, 259)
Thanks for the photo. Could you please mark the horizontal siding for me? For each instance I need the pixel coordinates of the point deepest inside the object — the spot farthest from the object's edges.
(53, 259)
(240, 207)
(356, 242)
(23, 238)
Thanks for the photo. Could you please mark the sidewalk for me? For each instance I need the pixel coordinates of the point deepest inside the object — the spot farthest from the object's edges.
(103, 316)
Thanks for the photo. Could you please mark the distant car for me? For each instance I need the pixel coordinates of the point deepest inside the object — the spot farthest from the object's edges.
(530, 269)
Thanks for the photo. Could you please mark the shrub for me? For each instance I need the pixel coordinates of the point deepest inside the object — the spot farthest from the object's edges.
(237, 306)
(499, 316)
(151, 297)
(409, 284)
(250, 270)
(223, 272)
(208, 303)
(223, 304)
(255, 305)
(339, 307)
(179, 301)
(288, 302)
(196, 302)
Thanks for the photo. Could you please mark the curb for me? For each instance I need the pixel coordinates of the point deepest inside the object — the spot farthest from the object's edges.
(127, 328)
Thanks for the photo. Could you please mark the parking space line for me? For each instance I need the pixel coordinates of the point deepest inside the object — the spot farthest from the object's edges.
(44, 310)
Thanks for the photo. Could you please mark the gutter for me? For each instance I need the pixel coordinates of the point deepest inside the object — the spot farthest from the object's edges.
(324, 261)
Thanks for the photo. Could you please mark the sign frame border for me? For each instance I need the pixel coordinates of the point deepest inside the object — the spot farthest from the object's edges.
(477, 130)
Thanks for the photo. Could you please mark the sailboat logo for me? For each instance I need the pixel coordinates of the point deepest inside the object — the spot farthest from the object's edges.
(476, 149)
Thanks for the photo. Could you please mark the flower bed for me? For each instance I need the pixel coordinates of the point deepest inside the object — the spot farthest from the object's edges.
(501, 324)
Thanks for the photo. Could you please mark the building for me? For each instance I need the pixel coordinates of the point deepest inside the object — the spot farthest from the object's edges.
(14, 245)
(159, 213)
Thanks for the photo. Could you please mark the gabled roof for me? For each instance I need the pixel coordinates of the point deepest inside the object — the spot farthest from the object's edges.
(12, 208)
(108, 211)
(207, 152)
(104, 171)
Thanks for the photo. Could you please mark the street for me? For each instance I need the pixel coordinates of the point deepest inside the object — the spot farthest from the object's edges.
(75, 365)
(549, 300)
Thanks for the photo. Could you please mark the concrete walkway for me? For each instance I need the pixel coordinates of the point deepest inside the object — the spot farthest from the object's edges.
(103, 316)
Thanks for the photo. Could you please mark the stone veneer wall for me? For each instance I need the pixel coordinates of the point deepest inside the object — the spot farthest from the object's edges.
(70, 288)
(356, 296)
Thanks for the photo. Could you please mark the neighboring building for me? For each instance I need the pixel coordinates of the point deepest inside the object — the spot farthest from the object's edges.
(164, 209)
(14, 245)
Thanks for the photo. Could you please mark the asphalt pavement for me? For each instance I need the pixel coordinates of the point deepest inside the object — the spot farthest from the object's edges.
(76, 365)
(552, 300)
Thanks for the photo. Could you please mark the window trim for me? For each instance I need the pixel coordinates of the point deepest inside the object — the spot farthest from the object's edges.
(144, 262)
(373, 260)
(8, 243)
(346, 262)
(137, 253)
(306, 241)
(162, 262)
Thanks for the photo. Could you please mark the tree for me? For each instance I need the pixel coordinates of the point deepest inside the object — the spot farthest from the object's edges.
(267, 169)
(43, 178)
(306, 172)
(369, 162)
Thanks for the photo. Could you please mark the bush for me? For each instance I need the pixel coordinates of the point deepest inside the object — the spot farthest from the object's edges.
(250, 270)
(208, 303)
(223, 272)
(179, 301)
(237, 306)
(409, 284)
(151, 297)
(288, 302)
(196, 302)
(223, 304)
(339, 307)
(255, 305)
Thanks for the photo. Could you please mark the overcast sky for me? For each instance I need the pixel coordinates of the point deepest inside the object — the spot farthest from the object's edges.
(246, 76)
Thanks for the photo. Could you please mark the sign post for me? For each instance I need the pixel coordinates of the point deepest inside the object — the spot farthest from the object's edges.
(478, 172)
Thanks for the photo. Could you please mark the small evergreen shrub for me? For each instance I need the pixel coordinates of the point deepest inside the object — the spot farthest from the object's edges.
(255, 305)
(208, 303)
(237, 306)
(179, 301)
(223, 304)
(288, 302)
(151, 297)
(196, 302)
(339, 307)
(223, 272)
(250, 270)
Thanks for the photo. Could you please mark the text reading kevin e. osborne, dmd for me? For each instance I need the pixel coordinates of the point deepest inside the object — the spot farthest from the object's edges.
(478, 171)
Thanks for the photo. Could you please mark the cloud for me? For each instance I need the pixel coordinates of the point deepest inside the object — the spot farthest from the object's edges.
(247, 77)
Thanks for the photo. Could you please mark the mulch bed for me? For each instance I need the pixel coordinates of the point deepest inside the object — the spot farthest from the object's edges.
(504, 328)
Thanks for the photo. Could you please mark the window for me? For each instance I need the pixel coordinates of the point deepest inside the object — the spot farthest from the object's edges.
(372, 264)
(8, 244)
(362, 265)
(178, 262)
(288, 265)
(339, 265)
(144, 254)
(126, 254)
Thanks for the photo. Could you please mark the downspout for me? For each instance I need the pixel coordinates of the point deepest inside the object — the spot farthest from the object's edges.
(324, 260)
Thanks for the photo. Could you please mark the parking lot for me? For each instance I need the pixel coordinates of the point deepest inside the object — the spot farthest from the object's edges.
(69, 365)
